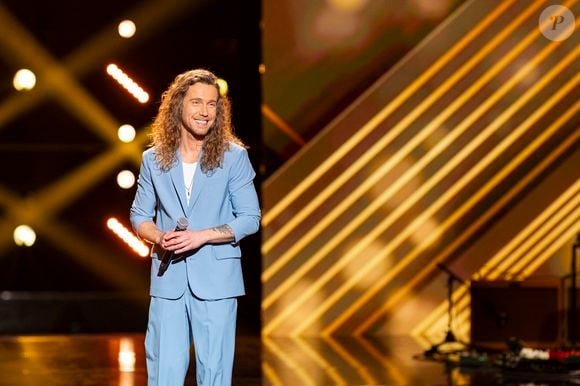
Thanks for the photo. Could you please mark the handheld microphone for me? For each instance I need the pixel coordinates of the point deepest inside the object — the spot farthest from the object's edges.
(167, 256)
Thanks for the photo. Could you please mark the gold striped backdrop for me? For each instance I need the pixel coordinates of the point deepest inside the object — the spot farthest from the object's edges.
(434, 156)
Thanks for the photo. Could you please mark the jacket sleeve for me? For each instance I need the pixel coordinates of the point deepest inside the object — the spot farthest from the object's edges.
(243, 196)
(143, 206)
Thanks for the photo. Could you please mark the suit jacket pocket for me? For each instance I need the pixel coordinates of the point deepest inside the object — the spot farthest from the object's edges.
(226, 251)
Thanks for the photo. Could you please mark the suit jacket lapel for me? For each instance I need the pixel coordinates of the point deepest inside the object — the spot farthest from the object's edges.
(176, 173)
(199, 180)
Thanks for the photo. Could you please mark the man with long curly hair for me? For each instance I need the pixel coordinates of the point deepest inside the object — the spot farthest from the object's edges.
(196, 172)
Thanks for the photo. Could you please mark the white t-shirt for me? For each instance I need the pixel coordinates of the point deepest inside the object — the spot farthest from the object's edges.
(188, 173)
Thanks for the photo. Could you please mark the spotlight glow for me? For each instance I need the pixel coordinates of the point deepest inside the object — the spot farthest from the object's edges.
(127, 29)
(24, 236)
(223, 86)
(126, 133)
(24, 80)
(127, 357)
(126, 179)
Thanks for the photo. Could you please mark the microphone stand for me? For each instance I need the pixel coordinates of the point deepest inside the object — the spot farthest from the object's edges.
(449, 335)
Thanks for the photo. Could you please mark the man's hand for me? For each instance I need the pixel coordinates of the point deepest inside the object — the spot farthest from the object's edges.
(183, 241)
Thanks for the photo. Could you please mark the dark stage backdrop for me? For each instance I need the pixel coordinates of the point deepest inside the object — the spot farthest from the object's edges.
(61, 156)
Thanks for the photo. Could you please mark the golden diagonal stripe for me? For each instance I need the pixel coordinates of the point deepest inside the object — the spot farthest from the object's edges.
(322, 363)
(285, 358)
(417, 194)
(522, 254)
(500, 255)
(396, 103)
(568, 217)
(281, 125)
(410, 173)
(539, 241)
(492, 211)
(468, 177)
(271, 375)
(354, 363)
(553, 247)
(495, 266)
(392, 369)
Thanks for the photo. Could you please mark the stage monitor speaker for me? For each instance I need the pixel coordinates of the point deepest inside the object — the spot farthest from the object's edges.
(529, 311)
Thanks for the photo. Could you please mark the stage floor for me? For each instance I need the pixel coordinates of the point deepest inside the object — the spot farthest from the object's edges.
(118, 359)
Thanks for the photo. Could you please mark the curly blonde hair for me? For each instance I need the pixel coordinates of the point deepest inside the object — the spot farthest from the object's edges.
(165, 131)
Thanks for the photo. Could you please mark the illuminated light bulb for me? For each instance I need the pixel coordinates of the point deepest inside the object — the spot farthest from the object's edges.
(24, 236)
(126, 179)
(127, 29)
(24, 80)
(223, 86)
(126, 133)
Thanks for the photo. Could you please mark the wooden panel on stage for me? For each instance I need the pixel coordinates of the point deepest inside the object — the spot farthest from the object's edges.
(530, 311)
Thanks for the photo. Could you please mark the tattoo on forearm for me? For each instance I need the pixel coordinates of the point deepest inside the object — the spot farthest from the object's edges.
(225, 230)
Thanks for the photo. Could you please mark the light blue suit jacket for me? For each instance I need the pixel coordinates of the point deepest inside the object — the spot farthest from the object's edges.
(226, 195)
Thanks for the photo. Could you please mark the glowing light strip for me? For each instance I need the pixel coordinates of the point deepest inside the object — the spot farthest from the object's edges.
(552, 248)
(284, 358)
(441, 309)
(495, 266)
(395, 159)
(565, 217)
(468, 177)
(424, 188)
(392, 368)
(283, 126)
(322, 363)
(128, 237)
(360, 368)
(271, 374)
(523, 254)
(396, 103)
(127, 83)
